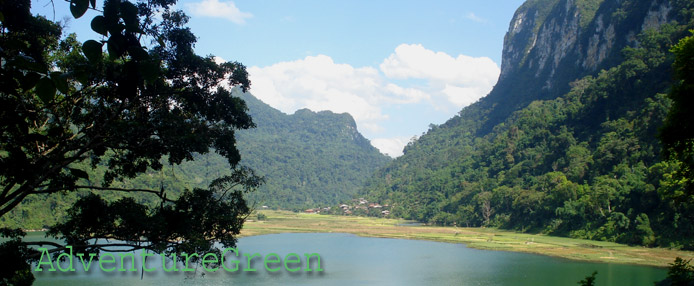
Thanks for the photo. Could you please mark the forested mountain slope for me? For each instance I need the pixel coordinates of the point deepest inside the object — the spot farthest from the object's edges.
(566, 143)
(308, 159)
(551, 43)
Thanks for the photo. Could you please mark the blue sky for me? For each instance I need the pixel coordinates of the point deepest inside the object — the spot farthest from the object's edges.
(395, 66)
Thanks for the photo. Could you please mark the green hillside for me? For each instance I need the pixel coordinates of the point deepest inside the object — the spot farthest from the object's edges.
(584, 163)
(308, 159)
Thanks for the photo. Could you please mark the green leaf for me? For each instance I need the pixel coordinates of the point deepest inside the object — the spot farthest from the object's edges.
(27, 63)
(45, 89)
(128, 12)
(99, 25)
(92, 50)
(150, 70)
(116, 46)
(30, 80)
(79, 173)
(60, 81)
(137, 53)
(2, 17)
(78, 7)
(82, 76)
(111, 14)
(13, 43)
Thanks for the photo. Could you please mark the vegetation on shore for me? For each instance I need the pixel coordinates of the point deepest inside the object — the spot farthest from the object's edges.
(474, 237)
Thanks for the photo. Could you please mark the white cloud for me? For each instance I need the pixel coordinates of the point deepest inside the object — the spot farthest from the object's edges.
(471, 16)
(216, 9)
(407, 95)
(463, 96)
(318, 83)
(445, 74)
(219, 60)
(390, 146)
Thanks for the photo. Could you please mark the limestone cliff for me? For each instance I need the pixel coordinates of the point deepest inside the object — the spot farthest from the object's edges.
(550, 43)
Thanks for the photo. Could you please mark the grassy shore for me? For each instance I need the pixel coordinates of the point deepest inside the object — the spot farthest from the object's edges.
(480, 238)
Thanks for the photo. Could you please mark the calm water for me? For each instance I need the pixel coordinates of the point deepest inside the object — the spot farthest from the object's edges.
(351, 260)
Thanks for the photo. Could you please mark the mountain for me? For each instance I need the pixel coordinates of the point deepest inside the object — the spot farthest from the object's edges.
(308, 159)
(566, 142)
(551, 43)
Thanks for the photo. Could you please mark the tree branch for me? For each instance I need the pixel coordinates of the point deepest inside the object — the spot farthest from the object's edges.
(7, 190)
(41, 243)
(16, 199)
(157, 193)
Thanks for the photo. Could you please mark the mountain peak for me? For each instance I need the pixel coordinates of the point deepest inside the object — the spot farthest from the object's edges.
(309, 158)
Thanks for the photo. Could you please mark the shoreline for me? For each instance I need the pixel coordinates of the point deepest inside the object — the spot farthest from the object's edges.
(473, 237)
(477, 238)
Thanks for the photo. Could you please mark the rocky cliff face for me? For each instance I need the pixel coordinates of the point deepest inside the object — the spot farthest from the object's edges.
(551, 43)
(582, 35)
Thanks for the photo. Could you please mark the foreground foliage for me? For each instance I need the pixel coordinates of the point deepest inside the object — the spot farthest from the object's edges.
(680, 273)
(67, 107)
(589, 280)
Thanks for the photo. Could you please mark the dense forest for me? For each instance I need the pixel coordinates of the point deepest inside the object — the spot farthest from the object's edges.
(584, 163)
(307, 159)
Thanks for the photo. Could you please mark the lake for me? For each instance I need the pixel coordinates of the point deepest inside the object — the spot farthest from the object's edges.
(347, 259)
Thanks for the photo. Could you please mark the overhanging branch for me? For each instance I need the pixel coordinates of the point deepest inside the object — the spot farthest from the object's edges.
(159, 194)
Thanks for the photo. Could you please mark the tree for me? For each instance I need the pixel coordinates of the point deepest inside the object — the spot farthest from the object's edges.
(677, 133)
(67, 106)
(680, 273)
(589, 280)
(484, 203)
